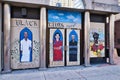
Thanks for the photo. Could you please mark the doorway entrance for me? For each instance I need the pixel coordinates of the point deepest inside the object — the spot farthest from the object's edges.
(64, 47)
(25, 41)
(64, 37)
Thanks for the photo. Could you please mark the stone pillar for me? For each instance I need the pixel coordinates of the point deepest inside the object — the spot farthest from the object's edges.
(111, 38)
(0, 35)
(7, 38)
(43, 22)
(86, 38)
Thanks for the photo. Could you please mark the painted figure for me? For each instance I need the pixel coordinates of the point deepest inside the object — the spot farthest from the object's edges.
(97, 46)
(57, 48)
(25, 48)
(73, 49)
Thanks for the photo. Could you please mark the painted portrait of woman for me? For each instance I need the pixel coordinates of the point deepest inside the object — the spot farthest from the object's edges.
(57, 46)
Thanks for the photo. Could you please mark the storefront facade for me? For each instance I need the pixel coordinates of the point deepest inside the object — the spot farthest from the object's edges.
(51, 33)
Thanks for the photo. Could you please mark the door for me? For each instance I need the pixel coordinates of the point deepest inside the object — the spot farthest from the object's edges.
(25, 38)
(56, 47)
(67, 25)
(73, 47)
(64, 47)
(97, 40)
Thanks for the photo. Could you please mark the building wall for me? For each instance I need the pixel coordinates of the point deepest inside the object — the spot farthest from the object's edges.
(30, 1)
(88, 4)
(117, 16)
(119, 2)
(106, 7)
(101, 5)
(113, 2)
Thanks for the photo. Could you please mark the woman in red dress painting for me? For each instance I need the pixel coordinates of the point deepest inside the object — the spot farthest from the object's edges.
(57, 48)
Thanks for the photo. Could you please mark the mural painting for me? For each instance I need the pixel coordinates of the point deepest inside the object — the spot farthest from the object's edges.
(56, 47)
(25, 43)
(73, 43)
(97, 40)
(58, 21)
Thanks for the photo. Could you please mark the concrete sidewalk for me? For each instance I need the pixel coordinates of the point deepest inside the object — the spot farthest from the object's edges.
(96, 72)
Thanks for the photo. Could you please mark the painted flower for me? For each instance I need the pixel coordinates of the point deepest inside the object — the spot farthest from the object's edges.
(97, 49)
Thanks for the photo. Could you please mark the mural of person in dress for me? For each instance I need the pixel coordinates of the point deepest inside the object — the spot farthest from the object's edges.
(25, 46)
(73, 46)
(57, 47)
(97, 46)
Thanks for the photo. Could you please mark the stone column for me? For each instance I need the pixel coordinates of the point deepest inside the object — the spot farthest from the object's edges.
(7, 38)
(86, 38)
(111, 38)
(0, 35)
(43, 25)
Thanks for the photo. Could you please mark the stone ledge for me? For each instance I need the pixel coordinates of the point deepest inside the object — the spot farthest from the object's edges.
(105, 7)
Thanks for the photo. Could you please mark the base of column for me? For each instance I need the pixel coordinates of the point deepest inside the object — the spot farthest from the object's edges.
(8, 71)
(42, 69)
(88, 65)
(112, 63)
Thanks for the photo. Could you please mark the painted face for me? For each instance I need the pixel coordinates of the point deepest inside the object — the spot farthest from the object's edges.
(25, 35)
(57, 36)
(73, 37)
(96, 37)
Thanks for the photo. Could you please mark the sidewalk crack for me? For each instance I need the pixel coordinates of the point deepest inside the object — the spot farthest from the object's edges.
(44, 76)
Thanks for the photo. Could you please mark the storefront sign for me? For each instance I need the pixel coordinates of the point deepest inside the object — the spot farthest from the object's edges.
(63, 25)
(25, 22)
(64, 19)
